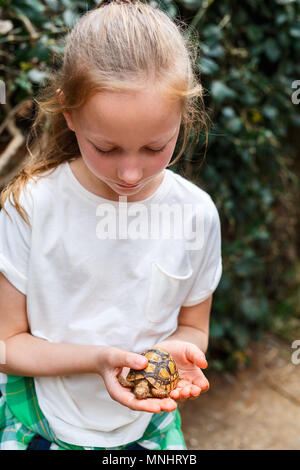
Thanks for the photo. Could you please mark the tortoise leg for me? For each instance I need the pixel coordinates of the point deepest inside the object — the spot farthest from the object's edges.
(141, 389)
(159, 393)
(125, 382)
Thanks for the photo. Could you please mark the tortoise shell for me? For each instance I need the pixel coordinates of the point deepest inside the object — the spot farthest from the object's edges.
(161, 371)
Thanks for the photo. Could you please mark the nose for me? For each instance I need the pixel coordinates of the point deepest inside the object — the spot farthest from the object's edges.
(130, 172)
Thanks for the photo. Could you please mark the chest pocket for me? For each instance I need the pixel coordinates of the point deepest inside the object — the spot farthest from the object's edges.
(167, 282)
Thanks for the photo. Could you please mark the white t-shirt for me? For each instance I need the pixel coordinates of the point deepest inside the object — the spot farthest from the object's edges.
(90, 280)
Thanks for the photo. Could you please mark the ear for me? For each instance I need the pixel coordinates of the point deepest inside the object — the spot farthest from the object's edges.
(67, 115)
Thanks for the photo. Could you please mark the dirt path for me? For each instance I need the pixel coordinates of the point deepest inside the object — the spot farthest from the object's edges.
(255, 408)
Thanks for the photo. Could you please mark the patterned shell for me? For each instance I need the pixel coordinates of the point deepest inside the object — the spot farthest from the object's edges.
(161, 371)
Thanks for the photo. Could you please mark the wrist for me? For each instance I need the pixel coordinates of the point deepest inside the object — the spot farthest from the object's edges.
(188, 334)
(99, 360)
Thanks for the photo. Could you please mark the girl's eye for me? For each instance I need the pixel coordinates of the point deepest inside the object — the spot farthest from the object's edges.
(157, 151)
(103, 151)
(150, 150)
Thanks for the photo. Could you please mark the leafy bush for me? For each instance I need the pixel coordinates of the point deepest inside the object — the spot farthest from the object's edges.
(248, 60)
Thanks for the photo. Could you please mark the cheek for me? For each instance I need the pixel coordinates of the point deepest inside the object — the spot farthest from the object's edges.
(154, 164)
(100, 165)
(163, 159)
(162, 163)
(94, 160)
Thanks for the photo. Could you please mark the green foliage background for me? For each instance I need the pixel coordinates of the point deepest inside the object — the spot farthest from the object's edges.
(248, 60)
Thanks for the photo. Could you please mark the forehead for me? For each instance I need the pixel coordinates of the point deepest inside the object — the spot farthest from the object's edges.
(142, 113)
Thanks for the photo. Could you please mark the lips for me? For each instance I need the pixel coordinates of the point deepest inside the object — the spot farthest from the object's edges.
(123, 186)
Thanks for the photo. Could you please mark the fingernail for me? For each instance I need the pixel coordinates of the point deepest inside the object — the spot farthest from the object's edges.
(140, 363)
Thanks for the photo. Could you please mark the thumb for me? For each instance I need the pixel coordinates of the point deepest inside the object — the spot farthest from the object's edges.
(195, 355)
(121, 358)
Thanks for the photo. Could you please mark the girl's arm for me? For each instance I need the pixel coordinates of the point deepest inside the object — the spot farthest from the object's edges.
(188, 345)
(30, 356)
(193, 324)
(27, 355)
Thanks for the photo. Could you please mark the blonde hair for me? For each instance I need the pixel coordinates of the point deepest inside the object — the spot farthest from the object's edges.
(117, 46)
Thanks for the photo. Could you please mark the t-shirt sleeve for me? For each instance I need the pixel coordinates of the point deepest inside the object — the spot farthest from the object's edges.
(15, 241)
(207, 263)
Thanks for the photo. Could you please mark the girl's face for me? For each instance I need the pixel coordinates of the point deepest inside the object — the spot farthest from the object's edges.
(125, 139)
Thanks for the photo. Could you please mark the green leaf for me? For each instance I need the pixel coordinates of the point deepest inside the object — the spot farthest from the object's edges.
(33, 10)
(207, 66)
(272, 50)
(270, 112)
(53, 4)
(70, 18)
(213, 32)
(234, 125)
(23, 83)
(295, 30)
(254, 309)
(228, 112)
(254, 33)
(212, 50)
(221, 91)
(36, 76)
(247, 267)
(241, 335)
(192, 4)
(280, 18)
(216, 330)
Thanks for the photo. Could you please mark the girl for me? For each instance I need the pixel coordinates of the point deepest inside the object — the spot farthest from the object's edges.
(79, 303)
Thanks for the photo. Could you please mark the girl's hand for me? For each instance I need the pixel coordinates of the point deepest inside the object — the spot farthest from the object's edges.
(190, 360)
(110, 363)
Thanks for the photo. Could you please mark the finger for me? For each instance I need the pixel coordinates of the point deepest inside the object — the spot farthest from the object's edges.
(185, 392)
(166, 404)
(180, 386)
(195, 391)
(127, 398)
(205, 389)
(152, 405)
(195, 355)
(180, 393)
(183, 383)
(197, 378)
(120, 358)
(175, 394)
(125, 371)
(201, 382)
(181, 400)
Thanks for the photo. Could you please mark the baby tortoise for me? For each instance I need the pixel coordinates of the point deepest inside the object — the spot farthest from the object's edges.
(157, 380)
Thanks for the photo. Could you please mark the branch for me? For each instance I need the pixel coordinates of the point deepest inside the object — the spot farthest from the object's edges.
(17, 137)
(14, 144)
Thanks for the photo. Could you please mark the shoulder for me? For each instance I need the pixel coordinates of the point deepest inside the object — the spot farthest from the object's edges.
(37, 195)
(40, 188)
(187, 192)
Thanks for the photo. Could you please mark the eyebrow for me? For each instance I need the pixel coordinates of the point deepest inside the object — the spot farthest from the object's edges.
(150, 143)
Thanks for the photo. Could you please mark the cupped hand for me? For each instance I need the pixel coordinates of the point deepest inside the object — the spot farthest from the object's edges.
(115, 361)
(190, 360)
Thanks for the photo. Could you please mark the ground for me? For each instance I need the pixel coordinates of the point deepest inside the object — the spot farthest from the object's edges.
(255, 408)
